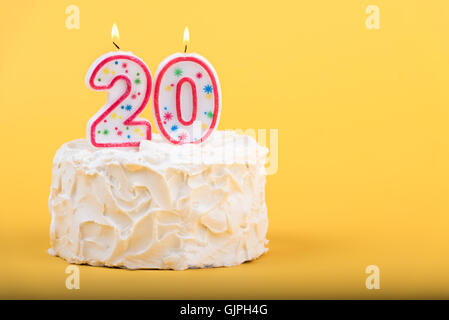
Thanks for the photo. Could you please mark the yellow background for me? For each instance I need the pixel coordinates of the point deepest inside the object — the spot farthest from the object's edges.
(363, 139)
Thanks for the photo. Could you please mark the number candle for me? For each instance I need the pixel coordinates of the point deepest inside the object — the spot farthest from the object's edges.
(187, 97)
(128, 82)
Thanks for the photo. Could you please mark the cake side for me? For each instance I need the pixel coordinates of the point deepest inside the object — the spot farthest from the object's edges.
(160, 206)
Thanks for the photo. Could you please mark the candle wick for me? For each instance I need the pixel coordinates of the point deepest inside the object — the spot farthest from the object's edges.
(116, 45)
(185, 49)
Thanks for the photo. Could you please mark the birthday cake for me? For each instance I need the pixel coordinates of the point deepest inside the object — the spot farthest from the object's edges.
(160, 205)
(188, 197)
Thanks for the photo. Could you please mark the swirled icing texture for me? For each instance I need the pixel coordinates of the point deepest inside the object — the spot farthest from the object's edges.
(160, 205)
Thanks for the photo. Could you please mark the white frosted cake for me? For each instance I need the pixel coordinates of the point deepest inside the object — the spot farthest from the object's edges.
(160, 206)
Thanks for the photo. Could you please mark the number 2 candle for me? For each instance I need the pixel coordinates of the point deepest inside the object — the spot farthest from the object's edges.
(128, 82)
(187, 97)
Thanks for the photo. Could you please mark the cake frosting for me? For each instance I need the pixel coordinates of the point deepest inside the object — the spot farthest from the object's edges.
(160, 206)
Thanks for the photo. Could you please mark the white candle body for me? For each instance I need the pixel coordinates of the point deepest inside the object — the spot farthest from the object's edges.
(128, 82)
(183, 83)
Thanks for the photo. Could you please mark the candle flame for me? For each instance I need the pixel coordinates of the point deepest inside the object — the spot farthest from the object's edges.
(186, 38)
(114, 34)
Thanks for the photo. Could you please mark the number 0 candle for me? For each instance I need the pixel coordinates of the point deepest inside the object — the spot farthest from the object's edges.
(187, 97)
(127, 80)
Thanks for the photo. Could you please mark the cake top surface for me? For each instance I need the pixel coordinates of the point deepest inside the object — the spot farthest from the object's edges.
(222, 147)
